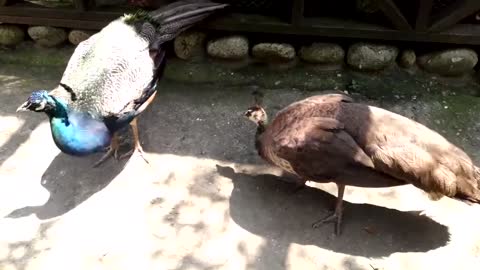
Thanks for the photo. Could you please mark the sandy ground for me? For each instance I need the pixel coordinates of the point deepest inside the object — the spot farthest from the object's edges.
(205, 201)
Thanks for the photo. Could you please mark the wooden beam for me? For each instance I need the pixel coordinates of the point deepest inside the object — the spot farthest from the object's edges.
(454, 14)
(297, 12)
(59, 13)
(423, 14)
(465, 34)
(69, 23)
(327, 27)
(394, 14)
(80, 4)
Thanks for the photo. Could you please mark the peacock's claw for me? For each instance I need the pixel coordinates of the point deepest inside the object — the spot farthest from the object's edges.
(112, 151)
(136, 150)
(137, 147)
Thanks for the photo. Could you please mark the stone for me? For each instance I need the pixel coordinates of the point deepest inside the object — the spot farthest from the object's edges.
(11, 34)
(407, 58)
(453, 62)
(47, 36)
(372, 57)
(228, 48)
(77, 36)
(274, 52)
(189, 44)
(322, 53)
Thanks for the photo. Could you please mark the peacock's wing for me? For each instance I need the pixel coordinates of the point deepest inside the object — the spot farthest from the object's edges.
(108, 71)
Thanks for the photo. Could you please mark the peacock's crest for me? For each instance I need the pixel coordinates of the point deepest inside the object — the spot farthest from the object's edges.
(139, 16)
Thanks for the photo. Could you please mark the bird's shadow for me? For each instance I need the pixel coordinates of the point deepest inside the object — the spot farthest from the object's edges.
(265, 206)
(70, 181)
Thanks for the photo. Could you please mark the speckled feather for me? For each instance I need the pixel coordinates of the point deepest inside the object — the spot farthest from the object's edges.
(330, 138)
(114, 67)
(107, 71)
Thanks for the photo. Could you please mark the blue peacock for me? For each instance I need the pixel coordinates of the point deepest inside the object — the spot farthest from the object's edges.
(111, 78)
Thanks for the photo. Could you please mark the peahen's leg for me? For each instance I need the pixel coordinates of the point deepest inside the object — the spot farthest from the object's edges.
(337, 214)
(112, 151)
(137, 147)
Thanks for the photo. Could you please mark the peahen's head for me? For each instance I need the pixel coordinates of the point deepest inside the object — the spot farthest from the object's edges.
(256, 113)
(39, 101)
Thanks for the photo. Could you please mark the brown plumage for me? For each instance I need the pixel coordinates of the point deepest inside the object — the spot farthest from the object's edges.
(331, 138)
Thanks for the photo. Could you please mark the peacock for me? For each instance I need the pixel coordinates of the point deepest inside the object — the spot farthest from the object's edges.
(111, 78)
(332, 138)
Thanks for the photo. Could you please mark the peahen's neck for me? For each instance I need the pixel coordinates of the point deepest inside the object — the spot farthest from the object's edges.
(77, 133)
(261, 127)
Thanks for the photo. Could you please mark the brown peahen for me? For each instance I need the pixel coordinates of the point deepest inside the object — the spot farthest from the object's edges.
(331, 138)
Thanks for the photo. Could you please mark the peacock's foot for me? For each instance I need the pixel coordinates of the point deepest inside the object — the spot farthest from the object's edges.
(112, 151)
(137, 149)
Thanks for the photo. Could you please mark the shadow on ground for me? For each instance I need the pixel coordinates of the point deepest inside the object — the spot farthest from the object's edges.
(70, 181)
(368, 230)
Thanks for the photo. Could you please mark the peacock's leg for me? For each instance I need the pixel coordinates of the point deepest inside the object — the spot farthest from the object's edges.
(137, 147)
(112, 151)
(337, 214)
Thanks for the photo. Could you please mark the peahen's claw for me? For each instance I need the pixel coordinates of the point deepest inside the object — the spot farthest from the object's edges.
(337, 214)
(333, 217)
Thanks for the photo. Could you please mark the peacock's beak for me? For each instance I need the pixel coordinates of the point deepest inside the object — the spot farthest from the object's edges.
(24, 107)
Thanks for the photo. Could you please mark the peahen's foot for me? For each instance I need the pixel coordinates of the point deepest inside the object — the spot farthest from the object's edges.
(336, 216)
(333, 217)
(112, 151)
(137, 147)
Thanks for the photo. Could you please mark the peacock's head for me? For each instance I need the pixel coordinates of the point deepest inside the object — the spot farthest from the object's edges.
(39, 101)
(256, 113)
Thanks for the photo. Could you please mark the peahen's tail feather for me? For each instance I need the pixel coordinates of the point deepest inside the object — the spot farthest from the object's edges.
(469, 190)
(178, 16)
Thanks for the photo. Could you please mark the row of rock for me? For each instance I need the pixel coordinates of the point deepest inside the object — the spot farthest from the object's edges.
(360, 56)
(46, 36)
(236, 48)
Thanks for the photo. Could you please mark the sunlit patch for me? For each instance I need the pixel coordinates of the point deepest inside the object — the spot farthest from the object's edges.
(8, 127)
(21, 172)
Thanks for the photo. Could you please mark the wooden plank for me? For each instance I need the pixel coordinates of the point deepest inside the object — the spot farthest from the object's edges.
(80, 4)
(454, 14)
(68, 23)
(326, 27)
(59, 13)
(423, 14)
(460, 34)
(394, 14)
(297, 12)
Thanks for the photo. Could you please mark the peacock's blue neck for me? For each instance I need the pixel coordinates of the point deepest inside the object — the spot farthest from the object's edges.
(77, 133)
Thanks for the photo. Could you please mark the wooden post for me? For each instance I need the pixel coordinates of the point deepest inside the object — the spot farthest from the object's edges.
(297, 12)
(423, 14)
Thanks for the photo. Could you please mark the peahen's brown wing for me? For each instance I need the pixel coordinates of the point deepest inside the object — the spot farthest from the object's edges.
(408, 150)
(320, 148)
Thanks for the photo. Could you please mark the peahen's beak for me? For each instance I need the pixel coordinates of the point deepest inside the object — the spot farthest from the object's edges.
(24, 107)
